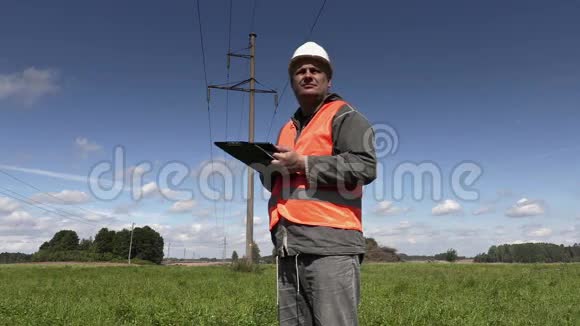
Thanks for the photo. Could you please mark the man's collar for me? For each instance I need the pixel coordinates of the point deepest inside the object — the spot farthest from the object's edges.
(329, 98)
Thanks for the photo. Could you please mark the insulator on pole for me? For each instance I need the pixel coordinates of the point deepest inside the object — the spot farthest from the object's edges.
(276, 100)
(208, 95)
(228, 61)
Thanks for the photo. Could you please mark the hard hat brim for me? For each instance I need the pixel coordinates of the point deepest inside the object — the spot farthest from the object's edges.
(325, 65)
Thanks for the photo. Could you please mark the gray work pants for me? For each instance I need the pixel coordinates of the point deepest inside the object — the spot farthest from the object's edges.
(318, 290)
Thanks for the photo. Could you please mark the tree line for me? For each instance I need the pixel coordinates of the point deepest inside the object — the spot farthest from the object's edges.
(108, 245)
(530, 253)
(14, 257)
(376, 253)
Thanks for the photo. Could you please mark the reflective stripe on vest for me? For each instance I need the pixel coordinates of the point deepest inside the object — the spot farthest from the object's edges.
(297, 201)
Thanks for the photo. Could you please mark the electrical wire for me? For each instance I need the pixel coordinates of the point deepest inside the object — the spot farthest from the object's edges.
(207, 100)
(52, 210)
(288, 79)
(52, 196)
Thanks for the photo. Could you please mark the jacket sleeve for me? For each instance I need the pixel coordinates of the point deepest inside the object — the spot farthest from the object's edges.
(353, 161)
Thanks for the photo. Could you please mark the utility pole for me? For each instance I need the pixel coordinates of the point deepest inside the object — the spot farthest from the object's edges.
(225, 255)
(168, 249)
(252, 90)
(131, 242)
(250, 202)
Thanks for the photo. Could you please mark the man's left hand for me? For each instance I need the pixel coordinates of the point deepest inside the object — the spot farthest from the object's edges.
(289, 160)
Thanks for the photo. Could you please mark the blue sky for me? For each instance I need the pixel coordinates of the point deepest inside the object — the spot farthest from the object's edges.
(493, 83)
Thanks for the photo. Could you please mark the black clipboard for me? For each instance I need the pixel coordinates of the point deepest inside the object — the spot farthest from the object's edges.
(254, 154)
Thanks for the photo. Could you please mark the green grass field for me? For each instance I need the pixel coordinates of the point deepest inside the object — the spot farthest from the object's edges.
(392, 294)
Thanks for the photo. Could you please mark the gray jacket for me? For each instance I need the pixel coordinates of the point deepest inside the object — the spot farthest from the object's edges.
(353, 162)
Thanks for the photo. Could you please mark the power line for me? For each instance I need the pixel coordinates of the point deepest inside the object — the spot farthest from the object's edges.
(316, 20)
(202, 45)
(228, 67)
(54, 209)
(288, 79)
(225, 204)
(30, 202)
(52, 196)
(207, 99)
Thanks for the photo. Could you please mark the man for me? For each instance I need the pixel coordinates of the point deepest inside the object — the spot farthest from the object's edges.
(326, 154)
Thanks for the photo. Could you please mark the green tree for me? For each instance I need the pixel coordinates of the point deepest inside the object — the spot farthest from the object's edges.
(16, 257)
(104, 240)
(147, 245)
(86, 244)
(376, 253)
(492, 254)
(255, 253)
(62, 240)
(235, 256)
(451, 255)
(481, 258)
(371, 244)
(44, 246)
(121, 243)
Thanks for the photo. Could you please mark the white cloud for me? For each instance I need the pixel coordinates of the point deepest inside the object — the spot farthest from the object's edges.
(465, 232)
(148, 189)
(136, 171)
(8, 205)
(151, 189)
(85, 146)
(182, 206)
(403, 225)
(29, 85)
(500, 230)
(257, 220)
(18, 218)
(125, 209)
(96, 216)
(203, 213)
(65, 197)
(62, 176)
(400, 231)
(522, 241)
(19, 243)
(22, 224)
(174, 195)
(447, 207)
(483, 210)
(525, 207)
(572, 231)
(539, 232)
(388, 208)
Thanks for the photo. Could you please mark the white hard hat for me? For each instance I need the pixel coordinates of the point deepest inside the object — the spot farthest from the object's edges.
(313, 50)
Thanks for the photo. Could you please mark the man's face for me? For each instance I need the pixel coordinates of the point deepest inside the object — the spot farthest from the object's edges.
(310, 79)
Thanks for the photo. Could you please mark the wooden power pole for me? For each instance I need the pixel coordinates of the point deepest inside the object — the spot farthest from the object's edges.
(252, 90)
(131, 242)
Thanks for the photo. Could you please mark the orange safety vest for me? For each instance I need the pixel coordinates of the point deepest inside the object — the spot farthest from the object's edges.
(297, 201)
